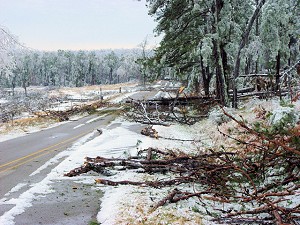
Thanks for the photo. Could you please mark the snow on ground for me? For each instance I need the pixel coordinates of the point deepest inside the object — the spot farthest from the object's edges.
(118, 140)
(165, 84)
(128, 204)
(3, 101)
(120, 97)
(133, 205)
(164, 95)
(16, 188)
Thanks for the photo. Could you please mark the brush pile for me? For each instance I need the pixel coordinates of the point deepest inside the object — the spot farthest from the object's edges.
(256, 181)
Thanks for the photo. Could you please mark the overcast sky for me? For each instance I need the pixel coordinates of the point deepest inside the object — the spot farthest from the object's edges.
(78, 24)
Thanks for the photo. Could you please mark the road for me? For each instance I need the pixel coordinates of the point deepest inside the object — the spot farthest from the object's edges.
(69, 202)
(19, 151)
(21, 156)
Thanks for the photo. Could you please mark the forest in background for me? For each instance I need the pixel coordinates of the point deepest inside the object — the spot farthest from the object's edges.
(72, 68)
(209, 45)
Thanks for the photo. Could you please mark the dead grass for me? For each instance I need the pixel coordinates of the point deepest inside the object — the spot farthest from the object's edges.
(25, 124)
(97, 87)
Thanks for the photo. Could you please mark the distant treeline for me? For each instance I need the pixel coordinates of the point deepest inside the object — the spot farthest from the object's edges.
(72, 68)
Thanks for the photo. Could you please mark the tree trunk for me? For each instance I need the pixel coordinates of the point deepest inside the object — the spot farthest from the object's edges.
(25, 89)
(221, 94)
(197, 86)
(242, 45)
(248, 65)
(93, 81)
(205, 77)
(277, 85)
(13, 85)
(225, 67)
(220, 81)
(110, 75)
(257, 34)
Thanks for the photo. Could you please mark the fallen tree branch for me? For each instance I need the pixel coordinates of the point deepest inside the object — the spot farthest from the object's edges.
(260, 174)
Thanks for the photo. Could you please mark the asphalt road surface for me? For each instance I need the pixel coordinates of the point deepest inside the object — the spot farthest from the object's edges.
(69, 202)
(22, 156)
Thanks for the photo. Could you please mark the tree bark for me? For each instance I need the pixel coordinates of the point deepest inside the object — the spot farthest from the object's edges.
(242, 45)
(221, 94)
(220, 81)
(110, 75)
(206, 80)
(277, 86)
(206, 77)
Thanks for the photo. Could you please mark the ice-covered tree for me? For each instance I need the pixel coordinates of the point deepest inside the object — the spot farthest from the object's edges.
(80, 69)
(112, 61)
(219, 40)
(91, 73)
(8, 43)
(143, 61)
(192, 43)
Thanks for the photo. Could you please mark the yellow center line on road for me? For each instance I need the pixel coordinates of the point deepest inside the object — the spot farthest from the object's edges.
(42, 151)
(28, 160)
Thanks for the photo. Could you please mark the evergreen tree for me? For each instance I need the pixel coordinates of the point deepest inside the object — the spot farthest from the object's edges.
(219, 40)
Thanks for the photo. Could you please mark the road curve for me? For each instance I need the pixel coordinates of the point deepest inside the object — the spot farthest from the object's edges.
(21, 156)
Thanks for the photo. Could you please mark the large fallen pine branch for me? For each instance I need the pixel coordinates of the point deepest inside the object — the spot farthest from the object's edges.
(263, 175)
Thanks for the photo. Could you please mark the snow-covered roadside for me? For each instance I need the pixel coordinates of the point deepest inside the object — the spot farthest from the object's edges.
(132, 205)
(119, 139)
(22, 131)
(128, 204)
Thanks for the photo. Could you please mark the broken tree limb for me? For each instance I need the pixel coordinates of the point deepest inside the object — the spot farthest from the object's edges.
(151, 132)
(263, 175)
(155, 184)
(261, 135)
(165, 111)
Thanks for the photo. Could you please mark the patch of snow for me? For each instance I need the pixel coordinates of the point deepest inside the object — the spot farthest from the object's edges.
(164, 84)
(164, 95)
(25, 200)
(122, 97)
(110, 200)
(3, 101)
(77, 117)
(16, 188)
(282, 113)
(217, 116)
